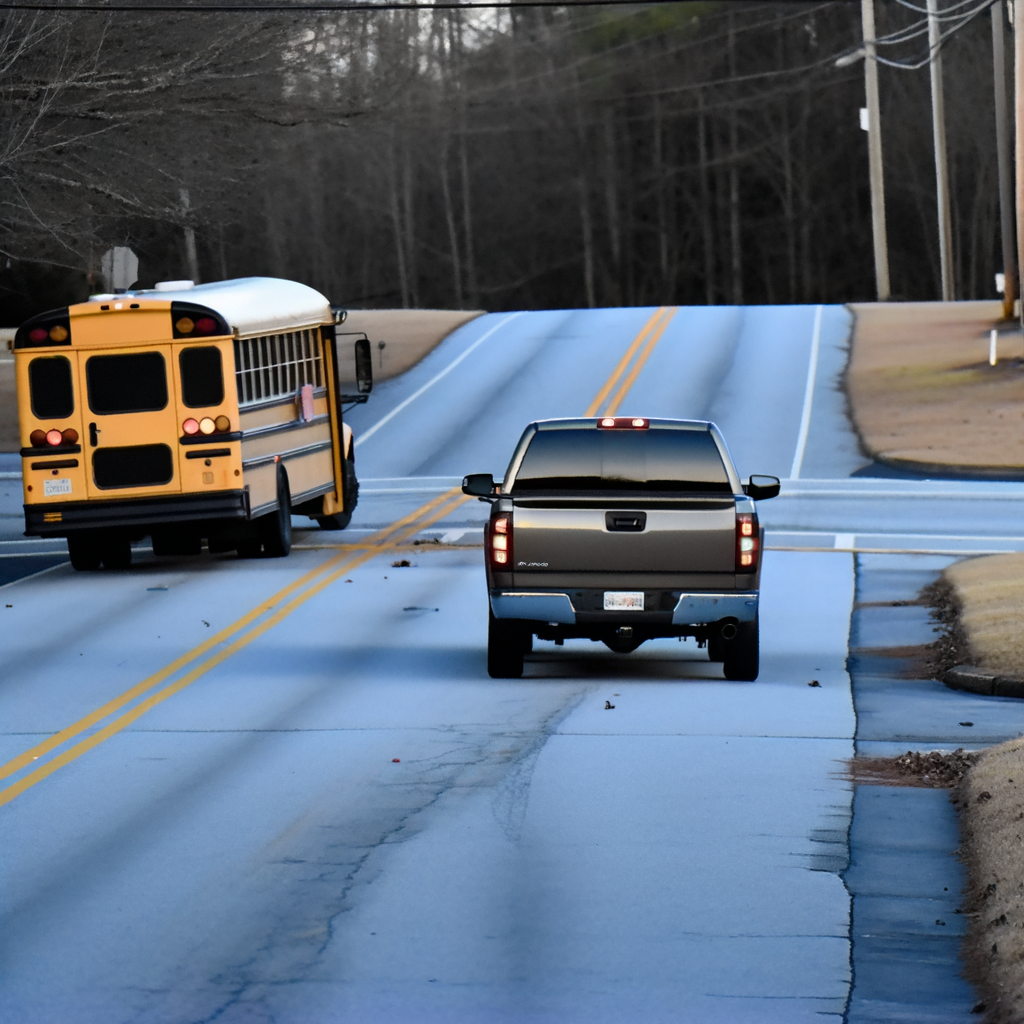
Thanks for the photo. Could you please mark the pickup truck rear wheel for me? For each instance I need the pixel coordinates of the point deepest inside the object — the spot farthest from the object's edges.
(506, 646)
(742, 653)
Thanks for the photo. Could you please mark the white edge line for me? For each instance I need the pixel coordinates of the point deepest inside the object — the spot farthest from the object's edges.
(404, 490)
(32, 576)
(929, 495)
(34, 554)
(924, 537)
(366, 435)
(805, 418)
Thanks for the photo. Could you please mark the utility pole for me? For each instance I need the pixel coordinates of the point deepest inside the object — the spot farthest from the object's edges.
(1018, 82)
(1003, 162)
(867, 13)
(941, 171)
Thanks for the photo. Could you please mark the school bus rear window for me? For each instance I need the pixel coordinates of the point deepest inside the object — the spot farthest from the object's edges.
(141, 465)
(126, 383)
(49, 382)
(202, 378)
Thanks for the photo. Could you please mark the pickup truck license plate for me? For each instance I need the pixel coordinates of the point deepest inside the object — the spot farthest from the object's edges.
(55, 487)
(624, 601)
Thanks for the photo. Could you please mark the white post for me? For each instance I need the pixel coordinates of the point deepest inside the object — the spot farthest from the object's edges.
(992, 340)
(941, 173)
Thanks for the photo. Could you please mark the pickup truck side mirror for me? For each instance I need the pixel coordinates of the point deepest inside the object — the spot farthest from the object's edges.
(364, 367)
(478, 485)
(760, 488)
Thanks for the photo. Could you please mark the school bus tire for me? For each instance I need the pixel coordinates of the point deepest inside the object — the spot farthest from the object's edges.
(249, 549)
(350, 496)
(116, 551)
(84, 552)
(276, 527)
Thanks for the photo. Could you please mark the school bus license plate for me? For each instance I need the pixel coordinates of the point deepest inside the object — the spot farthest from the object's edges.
(52, 488)
(624, 601)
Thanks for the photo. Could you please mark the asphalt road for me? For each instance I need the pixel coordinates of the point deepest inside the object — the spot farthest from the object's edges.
(286, 790)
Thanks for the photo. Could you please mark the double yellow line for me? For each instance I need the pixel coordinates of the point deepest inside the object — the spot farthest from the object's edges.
(649, 336)
(216, 649)
(122, 711)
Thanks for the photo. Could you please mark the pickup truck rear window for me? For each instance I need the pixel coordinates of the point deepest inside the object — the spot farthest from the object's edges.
(588, 459)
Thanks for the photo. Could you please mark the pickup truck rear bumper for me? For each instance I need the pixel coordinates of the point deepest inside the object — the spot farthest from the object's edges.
(690, 608)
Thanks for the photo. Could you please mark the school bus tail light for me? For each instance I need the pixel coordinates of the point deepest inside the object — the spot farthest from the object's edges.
(190, 427)
(70, 435)
(37, 438)
(54, 437)
(194, 321)
(53, 328)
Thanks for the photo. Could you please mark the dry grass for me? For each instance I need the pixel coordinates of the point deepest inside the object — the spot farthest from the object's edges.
(991, 805)
(990, 601)
(921, 389)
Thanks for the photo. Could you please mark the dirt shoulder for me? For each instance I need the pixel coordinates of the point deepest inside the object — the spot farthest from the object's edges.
(408, 335)
(989, 602)
(991, 805)
(981, 601)
(922, 392)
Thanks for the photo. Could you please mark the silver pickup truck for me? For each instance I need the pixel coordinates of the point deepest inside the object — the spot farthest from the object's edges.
(623, 529)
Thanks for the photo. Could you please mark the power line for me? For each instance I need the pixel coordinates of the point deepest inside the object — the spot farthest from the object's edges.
(204, 6)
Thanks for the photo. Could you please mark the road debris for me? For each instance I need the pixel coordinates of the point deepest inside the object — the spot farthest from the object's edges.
(933, 769)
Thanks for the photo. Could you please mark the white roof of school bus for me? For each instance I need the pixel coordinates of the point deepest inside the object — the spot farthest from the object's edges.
(254, 305)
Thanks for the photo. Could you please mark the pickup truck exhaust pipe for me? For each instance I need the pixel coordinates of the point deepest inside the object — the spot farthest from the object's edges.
(729, 631)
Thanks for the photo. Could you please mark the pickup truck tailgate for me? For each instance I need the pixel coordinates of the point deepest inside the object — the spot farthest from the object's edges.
(691, 536)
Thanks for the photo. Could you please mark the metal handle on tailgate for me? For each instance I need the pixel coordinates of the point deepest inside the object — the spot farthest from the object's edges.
(625, 522)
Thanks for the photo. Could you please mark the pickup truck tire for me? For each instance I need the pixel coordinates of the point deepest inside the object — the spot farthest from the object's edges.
(716, 648)
(741, 655)
(507, 643)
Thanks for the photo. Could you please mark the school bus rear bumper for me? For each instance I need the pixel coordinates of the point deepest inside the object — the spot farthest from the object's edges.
(58, 520)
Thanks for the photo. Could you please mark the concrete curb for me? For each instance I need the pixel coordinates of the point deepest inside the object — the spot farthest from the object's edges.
(978, 680)
(952, 472)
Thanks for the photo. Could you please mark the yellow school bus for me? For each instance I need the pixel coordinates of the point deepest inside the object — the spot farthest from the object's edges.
(186, 413)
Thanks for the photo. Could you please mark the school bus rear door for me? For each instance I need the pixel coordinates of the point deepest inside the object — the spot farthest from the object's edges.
(129, 413)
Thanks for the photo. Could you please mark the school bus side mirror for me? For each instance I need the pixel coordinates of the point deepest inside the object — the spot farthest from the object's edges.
(364, 367)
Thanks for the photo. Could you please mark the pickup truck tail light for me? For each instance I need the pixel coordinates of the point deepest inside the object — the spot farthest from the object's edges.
(748, 541)
(500, 541)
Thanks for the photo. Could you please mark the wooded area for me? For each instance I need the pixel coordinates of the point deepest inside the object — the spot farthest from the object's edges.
(569, 156)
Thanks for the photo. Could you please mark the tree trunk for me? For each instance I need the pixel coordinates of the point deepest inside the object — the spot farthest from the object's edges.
(734, 178)
(467, 221)
(611, 200)
(409, 224)
(659, 187)
(587, 231)
(449, 216)
(707, 230)
(396, 222)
